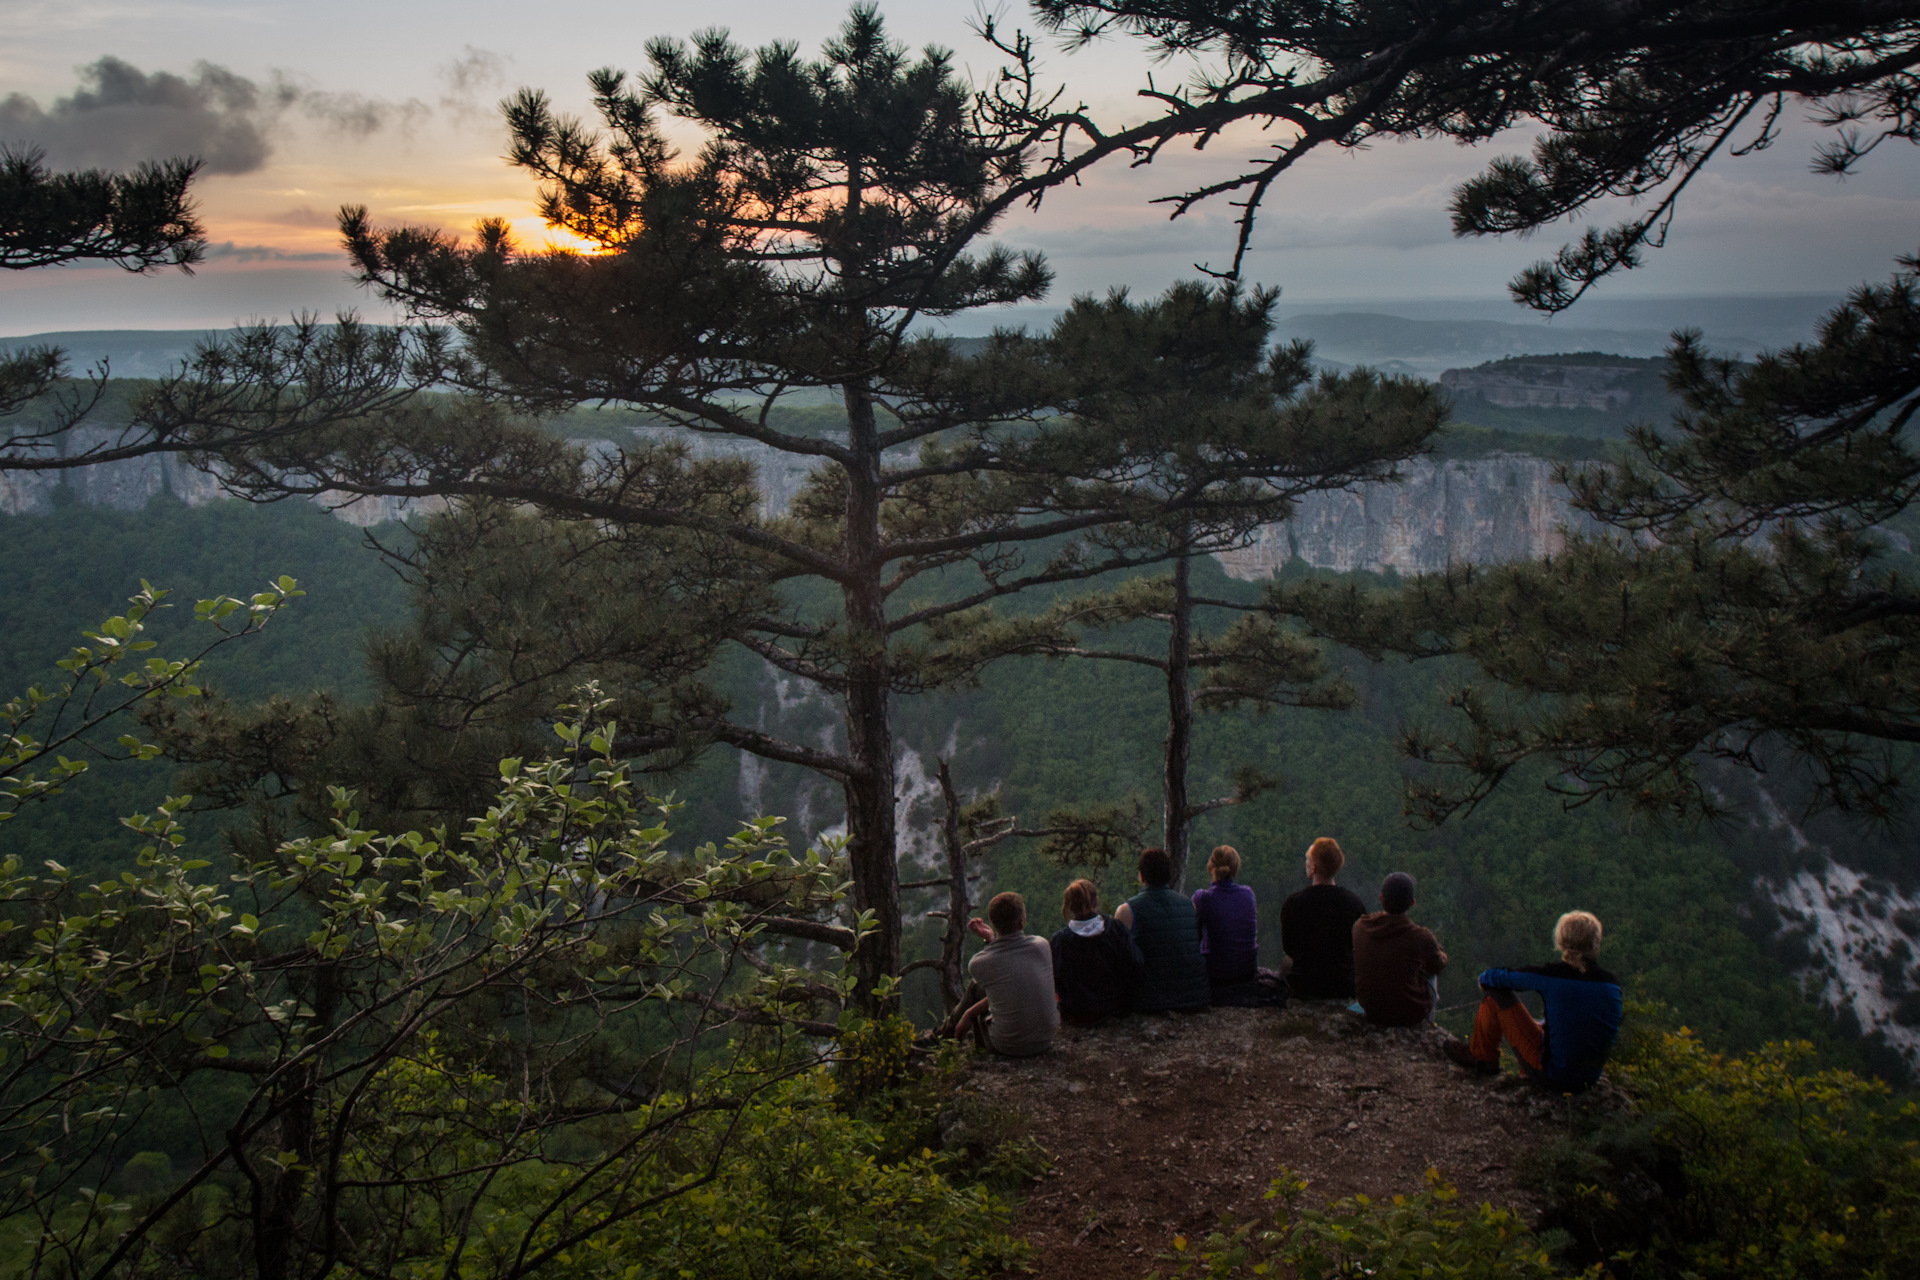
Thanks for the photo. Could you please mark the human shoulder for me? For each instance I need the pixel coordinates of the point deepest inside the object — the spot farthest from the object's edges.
(1571, 973)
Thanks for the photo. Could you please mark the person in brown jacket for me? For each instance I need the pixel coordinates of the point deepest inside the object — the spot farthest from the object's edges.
(1395, 961)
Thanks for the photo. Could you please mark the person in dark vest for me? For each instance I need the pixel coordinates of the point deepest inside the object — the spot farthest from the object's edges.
(1316, 928)
(1583, 1007)
(1167, 931)
(1096, 966)
(1395, 961)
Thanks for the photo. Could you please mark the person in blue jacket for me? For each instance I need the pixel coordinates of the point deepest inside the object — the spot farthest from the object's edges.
(1583, 1006)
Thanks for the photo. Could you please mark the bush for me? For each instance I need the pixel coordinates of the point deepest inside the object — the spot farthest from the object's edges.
(807, 1191)
(1409, 1238)
(1760, 1166)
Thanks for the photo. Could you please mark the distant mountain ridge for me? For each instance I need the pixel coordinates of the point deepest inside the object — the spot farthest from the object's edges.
(1425, 347)
(128, 353)
(1429, 347)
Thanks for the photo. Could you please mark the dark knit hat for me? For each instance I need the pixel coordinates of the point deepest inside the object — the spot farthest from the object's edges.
(1396, 892)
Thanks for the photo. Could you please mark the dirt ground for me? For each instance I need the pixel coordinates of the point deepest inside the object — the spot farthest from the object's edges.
(1155, 1124)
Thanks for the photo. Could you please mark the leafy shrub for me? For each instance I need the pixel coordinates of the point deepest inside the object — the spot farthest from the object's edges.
(873, 1054)
(1430, 1234)
(806, 1191)
(1760, 1166)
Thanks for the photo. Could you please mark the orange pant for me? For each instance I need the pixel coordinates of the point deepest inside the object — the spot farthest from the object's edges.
(1491, 1023)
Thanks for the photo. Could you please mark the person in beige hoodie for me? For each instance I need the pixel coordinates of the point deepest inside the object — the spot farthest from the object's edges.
(1020, 1014)
(1395, 961)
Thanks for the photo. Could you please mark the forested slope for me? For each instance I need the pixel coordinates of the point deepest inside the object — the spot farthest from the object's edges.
(67, 571)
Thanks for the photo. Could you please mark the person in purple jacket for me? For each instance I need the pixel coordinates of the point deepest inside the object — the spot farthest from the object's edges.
(1230, 935)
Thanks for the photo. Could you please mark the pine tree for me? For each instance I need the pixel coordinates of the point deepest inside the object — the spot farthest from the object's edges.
(1746, 604)
(139, 222)
(1635, 99)
(1190, 383)
(835, 204)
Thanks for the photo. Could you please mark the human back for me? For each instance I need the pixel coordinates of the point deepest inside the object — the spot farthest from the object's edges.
(1096, 965)
(1015, 970)
(1167, 930)
(1229, 919)
(1316, 928)
(1395, 961)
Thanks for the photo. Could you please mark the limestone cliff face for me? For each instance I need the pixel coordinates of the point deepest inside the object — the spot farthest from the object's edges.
(1514, 384)
(1482, 510)
(1479, 511)
(128, 485)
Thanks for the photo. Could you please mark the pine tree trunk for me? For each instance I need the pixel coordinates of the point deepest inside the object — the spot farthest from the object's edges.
(871, 837)
(278, 1194)
(1173, 788)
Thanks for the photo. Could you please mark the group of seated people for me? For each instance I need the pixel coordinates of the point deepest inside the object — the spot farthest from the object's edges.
(1162, 951)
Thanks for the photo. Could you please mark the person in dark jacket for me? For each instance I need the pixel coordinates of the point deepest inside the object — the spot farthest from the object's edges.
(1316, 928)
(1167, 931)
(1583, 1005)
(1395, 961)
(1096, 965)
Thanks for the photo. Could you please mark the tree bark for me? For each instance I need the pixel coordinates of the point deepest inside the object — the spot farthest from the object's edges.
(869, 786)
(953, 942)
(1177, 819)
(277, 1196)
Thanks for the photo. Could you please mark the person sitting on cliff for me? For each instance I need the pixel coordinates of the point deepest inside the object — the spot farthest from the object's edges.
(1396, 963)
(1167, 931)
(1316, 928)
(1230, 936)
(1583, 1006)
(1018, 1017)
(1096, 965)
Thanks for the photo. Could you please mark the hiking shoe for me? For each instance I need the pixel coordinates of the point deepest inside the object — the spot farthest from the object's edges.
(1457, 1051)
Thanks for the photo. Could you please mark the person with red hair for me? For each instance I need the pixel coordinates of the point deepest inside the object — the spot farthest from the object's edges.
(1316, 928)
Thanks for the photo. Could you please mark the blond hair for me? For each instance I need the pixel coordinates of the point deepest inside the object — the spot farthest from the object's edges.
(1224, 862)
(1081, 901)
(1577, 934)
(1326, 857)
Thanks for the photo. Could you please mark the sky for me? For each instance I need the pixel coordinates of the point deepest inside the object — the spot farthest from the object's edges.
(301, 107)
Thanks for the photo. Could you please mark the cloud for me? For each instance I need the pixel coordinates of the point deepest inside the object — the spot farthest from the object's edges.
(231, 252)
(302, 216)
(349, 113)
(121, 115)
(1411, 221)
(471, 80)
